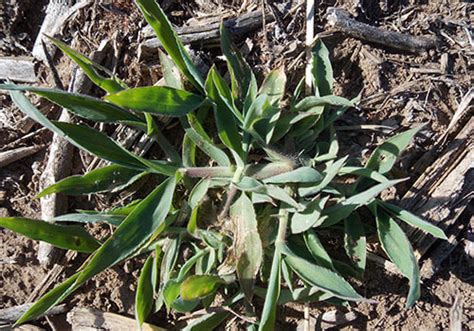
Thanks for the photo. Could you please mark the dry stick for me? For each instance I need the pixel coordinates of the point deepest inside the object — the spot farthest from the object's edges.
(18, 69)
(58, 13)
(207, 35)
(55, 10)
(14, 313)
(13, 155)
(308, 89)
(59, 165)
(341, 21)
(93, 319)
(309, 41)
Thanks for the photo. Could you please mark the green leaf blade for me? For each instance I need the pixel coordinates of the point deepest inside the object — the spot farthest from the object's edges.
(398, 248)
(144, 295)
(413, 220)
(199, 286)
(82, 105)
(248, 243)
(67, 237)
(323, 278)
(157, 19)
(321, 69)
(159, 100)
(98, 180)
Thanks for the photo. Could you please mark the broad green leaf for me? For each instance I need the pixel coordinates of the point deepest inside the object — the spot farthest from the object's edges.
(303, 220)
(155, 16)
(249, 184)
(395, 243)
(71, 237)
(188, 265)
(267, 321)
(240, 72)
(225, 94)
(170, 258)
(144, 295)
(332, 169)
(225, 120)
(82, 105)
(300, 294)
(344, 208)
(212, 320)
(255, 111)
(383, 157)
(99, 144)
(170, 72)
(413, 220)
(50, 299)
(171, 292)
(355, 242)
(247, 243)
(325, 279)
(199, 286)
(82, 137)
(188, 152)
(155, 269)
(90, 68)
(207, 146)
(90, 218)
(112, 177)
(32, 112)
(207, 322)
(161, 100)
(182, 306)
(328, 100)
(300, 175)
(363, 172)
(317, 250)
(199, 192)
(321, 69)
(128, 238)
(274, 85)
(134, 231)
(156, 135)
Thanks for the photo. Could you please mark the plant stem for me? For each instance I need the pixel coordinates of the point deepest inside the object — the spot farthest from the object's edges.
(283, 216)
(203, 172)
(258, 171)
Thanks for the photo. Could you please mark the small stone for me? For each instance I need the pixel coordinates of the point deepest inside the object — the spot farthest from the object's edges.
(128, 267)
(3, 196)
(4, 212)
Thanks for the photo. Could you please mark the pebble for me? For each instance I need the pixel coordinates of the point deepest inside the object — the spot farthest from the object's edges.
(4, 212)
(3, 196)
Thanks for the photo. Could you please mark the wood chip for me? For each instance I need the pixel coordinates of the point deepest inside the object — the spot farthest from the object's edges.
(444, 190)
(82, 319)
(18, 69)
(206, 35)
(12, 314)
(340, 20)
(16, 154)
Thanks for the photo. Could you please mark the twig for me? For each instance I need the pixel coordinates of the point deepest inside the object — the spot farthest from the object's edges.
(207, 35)
(339, 20)
(14, 313)
(58, 13)
(93, 319)
(309, 41)
(18, 69)
(49, 60)
(59, 163)
(13, 155)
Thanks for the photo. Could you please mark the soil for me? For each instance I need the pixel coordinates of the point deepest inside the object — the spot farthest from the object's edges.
(395, 93)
